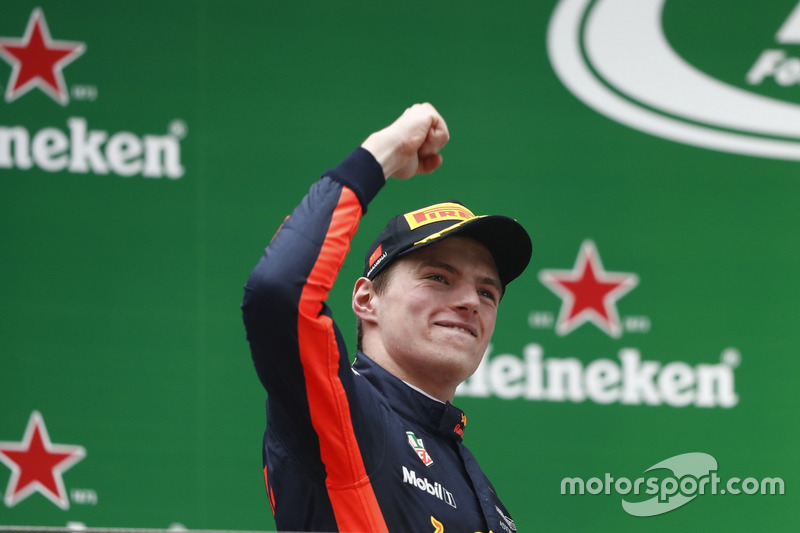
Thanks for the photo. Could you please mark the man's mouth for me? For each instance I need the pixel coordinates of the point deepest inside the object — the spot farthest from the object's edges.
(459, 327)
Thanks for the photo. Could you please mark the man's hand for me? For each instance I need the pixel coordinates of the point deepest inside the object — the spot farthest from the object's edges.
(411, 144)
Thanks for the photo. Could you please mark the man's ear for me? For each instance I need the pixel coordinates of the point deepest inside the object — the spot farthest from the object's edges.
(364, 300)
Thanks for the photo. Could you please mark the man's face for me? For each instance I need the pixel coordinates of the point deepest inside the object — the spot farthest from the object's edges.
(438, 311)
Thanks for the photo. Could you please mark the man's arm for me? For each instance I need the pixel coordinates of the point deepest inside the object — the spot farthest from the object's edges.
(326, 219)
(296, 347)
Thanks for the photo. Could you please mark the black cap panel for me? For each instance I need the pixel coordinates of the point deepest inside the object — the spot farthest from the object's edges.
(504, 237)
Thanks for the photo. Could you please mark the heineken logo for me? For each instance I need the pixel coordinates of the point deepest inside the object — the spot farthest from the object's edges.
(83, 150)
(618, 58)
(588, 292)
(627, 379)
(38, 61)
(38, 465)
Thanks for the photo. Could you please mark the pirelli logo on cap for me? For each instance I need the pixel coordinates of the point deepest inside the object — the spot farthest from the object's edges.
(436, 213)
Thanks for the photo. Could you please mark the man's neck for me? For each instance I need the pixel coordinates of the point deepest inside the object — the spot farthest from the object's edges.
(432, 388)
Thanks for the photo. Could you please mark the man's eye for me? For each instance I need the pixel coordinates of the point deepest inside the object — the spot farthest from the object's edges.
(437, 277)
(488, 294)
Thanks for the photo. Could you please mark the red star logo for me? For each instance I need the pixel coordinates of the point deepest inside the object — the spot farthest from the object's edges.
(37, 60)
(588, 292)
(37, 464)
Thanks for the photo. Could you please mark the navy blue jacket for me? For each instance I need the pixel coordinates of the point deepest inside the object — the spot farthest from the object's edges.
(349, 448)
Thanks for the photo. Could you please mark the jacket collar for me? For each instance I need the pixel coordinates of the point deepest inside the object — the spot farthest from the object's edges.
(443, 418)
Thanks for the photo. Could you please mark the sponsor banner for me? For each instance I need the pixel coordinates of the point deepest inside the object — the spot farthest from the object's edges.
(589, 295)
(40, 66)
(82, 151)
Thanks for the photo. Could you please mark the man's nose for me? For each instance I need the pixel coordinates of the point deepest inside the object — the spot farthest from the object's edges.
(466, 297)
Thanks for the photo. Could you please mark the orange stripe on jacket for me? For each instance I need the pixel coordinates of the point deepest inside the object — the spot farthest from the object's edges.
(269, 492)
(349, 489)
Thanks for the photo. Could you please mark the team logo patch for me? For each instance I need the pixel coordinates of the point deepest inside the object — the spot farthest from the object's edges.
(461, 426)
(419, 448)
(437, 213)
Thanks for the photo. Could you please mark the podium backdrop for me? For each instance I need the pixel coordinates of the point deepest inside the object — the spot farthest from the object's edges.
(643, 374)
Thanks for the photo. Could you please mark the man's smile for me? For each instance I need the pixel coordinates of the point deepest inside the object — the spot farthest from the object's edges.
(458, 326)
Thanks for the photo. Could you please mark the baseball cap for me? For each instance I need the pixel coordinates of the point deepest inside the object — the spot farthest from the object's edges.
(504, 237)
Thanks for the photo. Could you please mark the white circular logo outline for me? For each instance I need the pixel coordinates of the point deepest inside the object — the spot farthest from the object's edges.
(613, 55)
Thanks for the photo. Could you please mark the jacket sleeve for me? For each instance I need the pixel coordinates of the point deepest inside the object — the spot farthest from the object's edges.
(297, 349)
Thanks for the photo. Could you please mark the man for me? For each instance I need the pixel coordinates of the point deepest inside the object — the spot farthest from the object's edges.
(378, 446)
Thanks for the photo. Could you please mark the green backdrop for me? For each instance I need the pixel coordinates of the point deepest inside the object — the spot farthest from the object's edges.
(149, 150)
